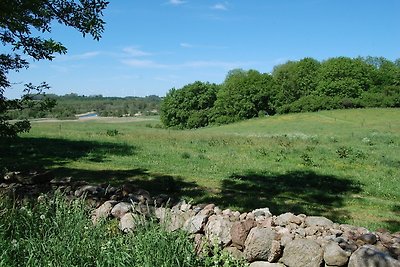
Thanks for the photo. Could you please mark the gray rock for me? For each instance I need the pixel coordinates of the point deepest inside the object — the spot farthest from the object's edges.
(286, 218)
(240, 230)
(195, 224)
(88, 189)
(318, 221)
(368, 238)
(128, 222)
(259, 243)
(104, 211)
(143, 209)
(175, 221)
(275, 252)
(162, 213)
(334, 255)
(262, 212)
(369, 256)
(121, 209)
(218, 229)
(265, 264)
(302, 253)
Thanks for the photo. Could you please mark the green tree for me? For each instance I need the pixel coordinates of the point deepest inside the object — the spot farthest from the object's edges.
(190, 106)
(344, 77)
(244, 94)
(295, 79)
(387, 73)
(23, 27)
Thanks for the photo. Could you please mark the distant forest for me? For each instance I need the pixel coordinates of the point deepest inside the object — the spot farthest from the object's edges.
(296, 86)
(69, 105)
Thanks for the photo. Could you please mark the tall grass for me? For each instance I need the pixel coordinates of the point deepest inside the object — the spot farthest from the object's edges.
(58, 232)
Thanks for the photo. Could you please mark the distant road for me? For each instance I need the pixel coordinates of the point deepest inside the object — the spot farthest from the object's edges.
(102, 119)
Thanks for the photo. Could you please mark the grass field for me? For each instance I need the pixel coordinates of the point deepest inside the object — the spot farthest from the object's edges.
(341, 164)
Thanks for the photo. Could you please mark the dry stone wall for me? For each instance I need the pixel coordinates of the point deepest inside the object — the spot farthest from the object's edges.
(264, 239)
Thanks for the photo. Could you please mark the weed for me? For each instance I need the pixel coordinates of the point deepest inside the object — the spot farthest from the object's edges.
(113, 132)
(344, 152)
(185, 155)
(263, 151)
(307, 160)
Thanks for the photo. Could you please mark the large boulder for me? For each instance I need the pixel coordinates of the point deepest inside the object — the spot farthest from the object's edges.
(287, 218)
(318, 221)
(175, 220)
(369, 256)
(240, 231)
(128, 222)
(218, 229)
(302, 253)
(121, 209)
(195, 224)
(334, 255)
(259, 244)
(103, 211)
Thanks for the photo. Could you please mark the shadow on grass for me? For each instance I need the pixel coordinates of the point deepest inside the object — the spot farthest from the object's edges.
(297, 191)
(173, 186)
(22, 154)
(394, 225)
(26, 154)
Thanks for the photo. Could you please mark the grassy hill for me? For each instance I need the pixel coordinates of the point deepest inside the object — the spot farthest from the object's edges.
(342, 164)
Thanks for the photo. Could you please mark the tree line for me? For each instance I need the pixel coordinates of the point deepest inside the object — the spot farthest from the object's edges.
(296, 86)
(69, 105)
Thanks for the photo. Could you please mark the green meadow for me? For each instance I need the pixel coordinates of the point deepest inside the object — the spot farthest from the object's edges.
(342, 164)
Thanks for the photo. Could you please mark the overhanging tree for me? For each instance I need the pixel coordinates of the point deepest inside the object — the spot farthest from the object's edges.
(23, 24)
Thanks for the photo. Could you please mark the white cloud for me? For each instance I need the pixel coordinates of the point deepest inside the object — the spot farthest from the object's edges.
(135, 52)
(220, 6)
(82, 56)
(176, 2)
(186, 45)
(137, 63)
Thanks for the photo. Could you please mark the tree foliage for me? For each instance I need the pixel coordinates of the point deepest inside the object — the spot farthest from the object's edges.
(295, 79)
(344, 77)
(189, 107)
(242, 96)
(295, 86)
(23, 27)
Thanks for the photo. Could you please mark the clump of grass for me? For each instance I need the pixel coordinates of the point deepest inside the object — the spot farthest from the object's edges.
(185, 155)
(344, 152)
(113, 132)
(307, 159)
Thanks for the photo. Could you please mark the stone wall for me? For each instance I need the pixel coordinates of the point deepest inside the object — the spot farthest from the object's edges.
(264, 239)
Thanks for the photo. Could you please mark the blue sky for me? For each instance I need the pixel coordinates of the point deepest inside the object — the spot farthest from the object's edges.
(149, 47)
